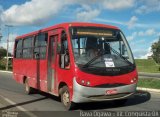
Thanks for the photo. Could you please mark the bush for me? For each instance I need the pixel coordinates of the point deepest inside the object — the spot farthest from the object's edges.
(3, 64)
(2, 67)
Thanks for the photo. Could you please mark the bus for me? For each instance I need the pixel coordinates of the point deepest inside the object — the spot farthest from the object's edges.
(78, 62)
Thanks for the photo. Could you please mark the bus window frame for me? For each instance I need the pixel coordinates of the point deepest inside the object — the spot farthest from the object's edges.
(39, 47)
(67, 38)
(28, 47)
(15, 49)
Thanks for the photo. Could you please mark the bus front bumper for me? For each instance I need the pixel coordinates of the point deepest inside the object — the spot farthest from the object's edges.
(89, 94)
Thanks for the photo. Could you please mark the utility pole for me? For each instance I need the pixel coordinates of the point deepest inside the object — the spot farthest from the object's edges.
(8, 26)
(0, 35)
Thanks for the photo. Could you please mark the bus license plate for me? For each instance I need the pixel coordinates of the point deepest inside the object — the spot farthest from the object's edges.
(111, 92)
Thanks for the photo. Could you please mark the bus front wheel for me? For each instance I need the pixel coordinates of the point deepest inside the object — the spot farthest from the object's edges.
(28, 89)
(65, 98)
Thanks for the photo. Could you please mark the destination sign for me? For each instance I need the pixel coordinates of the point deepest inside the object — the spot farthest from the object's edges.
(95, 32)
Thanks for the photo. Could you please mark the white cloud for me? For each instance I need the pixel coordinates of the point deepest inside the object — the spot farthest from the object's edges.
(1, 11)
(107, 4)
(149, 32)
(11, 42)
(118, 4)
(132, 22)
(131, 37)
(12, 37)
(36, 12)
(149, 53)
(158, 34)
(32, 12)
(142, 9)
(154, 41)
(138, 54)
(11, 45)
(109, 21)
(87, 14)
(148, 6)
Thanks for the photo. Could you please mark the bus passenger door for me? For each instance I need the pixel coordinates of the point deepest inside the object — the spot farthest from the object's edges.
(51, 62)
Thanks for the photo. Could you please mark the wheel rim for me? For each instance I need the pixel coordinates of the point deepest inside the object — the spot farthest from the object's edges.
(66, 98)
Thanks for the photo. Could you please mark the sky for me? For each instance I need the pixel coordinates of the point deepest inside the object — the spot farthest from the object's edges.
(138, 19)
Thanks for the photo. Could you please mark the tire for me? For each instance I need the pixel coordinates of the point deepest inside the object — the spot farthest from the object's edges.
(28, 89)
(65, 98)
(120, 102)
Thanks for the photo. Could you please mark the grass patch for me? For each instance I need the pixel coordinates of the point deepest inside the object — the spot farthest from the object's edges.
(145, 65)
(149, 83)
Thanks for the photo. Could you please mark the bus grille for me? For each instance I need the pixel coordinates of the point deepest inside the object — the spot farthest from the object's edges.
(110, 85)
(109, 96)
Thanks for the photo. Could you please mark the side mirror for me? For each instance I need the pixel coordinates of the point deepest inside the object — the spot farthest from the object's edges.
(123, 49)
(66, 60)
(58, 48)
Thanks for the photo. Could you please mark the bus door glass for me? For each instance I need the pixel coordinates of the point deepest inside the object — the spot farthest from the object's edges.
(40, 47)
(52, 61)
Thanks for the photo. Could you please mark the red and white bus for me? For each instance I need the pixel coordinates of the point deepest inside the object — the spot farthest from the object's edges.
(80, 62)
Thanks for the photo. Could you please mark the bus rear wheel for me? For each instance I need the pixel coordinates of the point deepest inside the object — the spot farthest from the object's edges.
(28, 89)
(65, 98)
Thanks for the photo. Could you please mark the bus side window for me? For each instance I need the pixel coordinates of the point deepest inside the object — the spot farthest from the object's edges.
(40, 46)
(36, 48)
(64, 54)
(27, 48)
(18, 49)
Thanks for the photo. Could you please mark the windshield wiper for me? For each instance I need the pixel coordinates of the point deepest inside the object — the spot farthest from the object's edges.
(93, 59)
(114, 51)
(106, 52)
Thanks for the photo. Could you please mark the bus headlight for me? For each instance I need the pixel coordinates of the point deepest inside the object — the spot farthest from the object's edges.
(88, 83)
(83, 82)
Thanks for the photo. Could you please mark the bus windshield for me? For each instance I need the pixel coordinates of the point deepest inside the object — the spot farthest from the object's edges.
(100, 47)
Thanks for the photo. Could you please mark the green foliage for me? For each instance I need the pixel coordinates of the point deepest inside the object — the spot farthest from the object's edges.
(149, 83)
(147, 65)
(156, 51)
(2, 64)
(2, 67)
(3, 53)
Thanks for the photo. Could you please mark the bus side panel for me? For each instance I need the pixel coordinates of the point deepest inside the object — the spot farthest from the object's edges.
(33, 72)
(25, 69)
(17, 70)
(43, 75)
(66, 76)
(37, 73)
(30, 71)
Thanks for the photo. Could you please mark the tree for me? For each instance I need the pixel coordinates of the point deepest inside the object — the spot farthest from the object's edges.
(3, 52)
(156, 51)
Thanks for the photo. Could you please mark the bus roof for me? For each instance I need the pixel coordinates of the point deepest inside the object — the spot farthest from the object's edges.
(68, 24)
